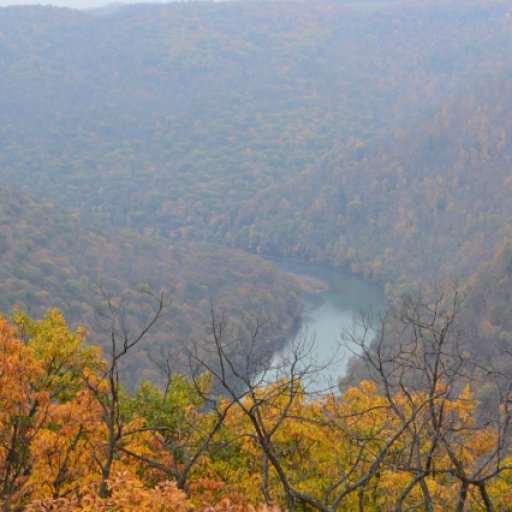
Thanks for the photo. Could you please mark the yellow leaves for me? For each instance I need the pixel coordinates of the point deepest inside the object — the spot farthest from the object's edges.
(54, 411)
(500, 487)
(392, 480)
(464, 406)
(369, 388)
(361, 397)
(482, 442)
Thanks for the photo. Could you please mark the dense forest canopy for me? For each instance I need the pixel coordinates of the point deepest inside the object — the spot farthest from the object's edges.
(146, 143)
(152, 156)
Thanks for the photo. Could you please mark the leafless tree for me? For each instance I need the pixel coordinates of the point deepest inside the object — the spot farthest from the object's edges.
(418, 357)
(241, 369)
(121, 340)
(418, 347)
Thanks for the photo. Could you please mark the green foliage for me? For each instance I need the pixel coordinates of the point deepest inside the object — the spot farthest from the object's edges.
(373, 138)
(168, 408)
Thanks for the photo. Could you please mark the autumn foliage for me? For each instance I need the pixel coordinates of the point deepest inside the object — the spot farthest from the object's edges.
(273, 447)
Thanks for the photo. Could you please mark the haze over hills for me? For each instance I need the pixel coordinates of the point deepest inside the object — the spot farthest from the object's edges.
(370, 140)
(76, 4)
(186, 147)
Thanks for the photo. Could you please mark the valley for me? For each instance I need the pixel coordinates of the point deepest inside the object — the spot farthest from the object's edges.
(365, 140)
(184, 185)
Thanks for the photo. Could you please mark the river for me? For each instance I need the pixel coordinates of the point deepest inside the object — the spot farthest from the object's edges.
(327, 313)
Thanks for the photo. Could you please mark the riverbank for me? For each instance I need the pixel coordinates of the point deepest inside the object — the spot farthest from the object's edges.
(308, 284)
(332, 302)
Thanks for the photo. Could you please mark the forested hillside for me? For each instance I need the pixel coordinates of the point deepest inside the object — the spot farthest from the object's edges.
(152, 156)
(429, 199)
(170, 118)
(52, 259)
(371, 137)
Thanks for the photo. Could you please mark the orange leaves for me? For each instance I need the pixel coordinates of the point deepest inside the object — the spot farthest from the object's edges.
(65, 448)
(18, 369)
(23, 410)
(127, 493)
(363, 446)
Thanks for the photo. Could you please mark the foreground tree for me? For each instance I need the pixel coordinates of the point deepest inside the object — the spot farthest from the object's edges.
(245, 430)
(409, 438)
(106, 387)
(273, 412)
(45, 419)
(421, 362)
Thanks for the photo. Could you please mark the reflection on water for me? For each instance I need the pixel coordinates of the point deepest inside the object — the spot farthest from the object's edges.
(328, 313)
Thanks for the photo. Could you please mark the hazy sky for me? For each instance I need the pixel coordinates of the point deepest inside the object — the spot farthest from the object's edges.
(77, 4)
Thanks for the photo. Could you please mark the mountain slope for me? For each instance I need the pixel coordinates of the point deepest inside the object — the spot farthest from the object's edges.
(50, 258)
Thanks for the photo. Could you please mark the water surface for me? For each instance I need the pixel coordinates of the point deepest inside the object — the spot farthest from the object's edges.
(330, 314)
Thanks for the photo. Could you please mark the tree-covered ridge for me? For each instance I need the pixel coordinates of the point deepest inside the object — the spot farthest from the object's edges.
(210, 121)
(427, 200)
(371, 140)
(413, 438)
(52, 259)
(168, 117)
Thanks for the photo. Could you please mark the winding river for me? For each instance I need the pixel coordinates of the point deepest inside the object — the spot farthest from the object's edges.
(334, 309)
